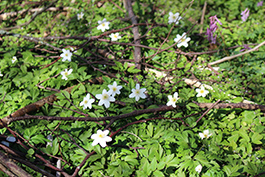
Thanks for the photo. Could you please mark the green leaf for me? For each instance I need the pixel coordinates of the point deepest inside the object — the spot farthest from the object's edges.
(256, 137)
(158, 173)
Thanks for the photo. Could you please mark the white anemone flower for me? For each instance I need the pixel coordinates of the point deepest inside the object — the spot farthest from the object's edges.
(138, 93)
(172, 100)
(5, 143)
(66, 73)
(87, 102)
(114, 89)
(101, 138)
(80, 16)
(1, 75)
(105, 98)
(103, 25)
(202, 92)
(174, 18)
(66, 55)
(14, 59)
(115, 36)
(198, 168)
(205, 134)
(182, 40)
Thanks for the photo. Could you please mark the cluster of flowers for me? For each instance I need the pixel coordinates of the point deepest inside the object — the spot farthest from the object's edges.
(108, 96)
(181, 40)
(213, 27)
(101, 137)
(205, 134)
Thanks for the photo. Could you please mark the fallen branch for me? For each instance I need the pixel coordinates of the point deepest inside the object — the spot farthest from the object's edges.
(237, 55)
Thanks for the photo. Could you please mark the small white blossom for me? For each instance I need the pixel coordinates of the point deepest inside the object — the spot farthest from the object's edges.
(105, 98)
(103, 25)
(80, 16)
(11, 139)
(65, 73)
(73, 49)
(172, 100)
(1, 75)
(66, 55)
(138, 93)
(114, 89)
(114, 36)
(202, 92)
(101, 138)
(205, 134)
(198, 168)
(174, 18)
(87, 102)
(14, 59)
(5, 143)
(49, 137)
(182, 40)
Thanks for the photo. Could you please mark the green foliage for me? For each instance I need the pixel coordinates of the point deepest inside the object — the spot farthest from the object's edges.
(161, 143)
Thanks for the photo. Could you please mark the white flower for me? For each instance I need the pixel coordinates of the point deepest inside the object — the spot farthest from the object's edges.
(1, 74)
(66, 55)
(11, 139)
(5, 143)
(172, 100)
(174, 18)
(138, 93)
(65, 73)
(105, 98)
(202, 92)
(205, 134)
(73, 49)
(80, 16)
(103, 25)
(114, 89)
(198, 168)
(14, 59)
(182, 40)
(101, 138)
(114, 36)
(87, 102)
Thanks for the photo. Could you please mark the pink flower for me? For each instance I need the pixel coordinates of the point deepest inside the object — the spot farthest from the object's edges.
(260, 3)
(245, 14)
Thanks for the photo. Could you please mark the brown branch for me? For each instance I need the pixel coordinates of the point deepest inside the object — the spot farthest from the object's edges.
(232, 105)
(14, 168)
(136, 35)
(211, 107)
(32, 18)
(113, 118)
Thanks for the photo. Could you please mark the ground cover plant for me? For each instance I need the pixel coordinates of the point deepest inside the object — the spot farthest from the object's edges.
(132, 88)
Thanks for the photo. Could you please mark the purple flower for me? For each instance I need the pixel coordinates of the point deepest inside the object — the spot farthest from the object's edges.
(213, 27)
(246, 47)
(260, 3)
(245, 14)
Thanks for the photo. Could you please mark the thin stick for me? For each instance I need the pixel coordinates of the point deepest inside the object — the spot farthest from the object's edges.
(203, 14)
(237, 55)
(208, 110)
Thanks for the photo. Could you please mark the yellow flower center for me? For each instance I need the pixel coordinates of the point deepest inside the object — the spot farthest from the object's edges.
(103, 24)
(101, 135)
(86, 101)
(66, 54)
(182, 40)
(174, 99)
(115, 36)
(137, 92)
(66, 73)
(114, 89)
(105, 96)
(202, 91)
(174, 17)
